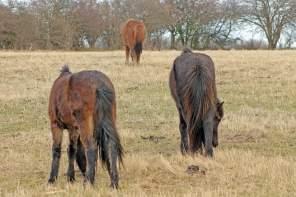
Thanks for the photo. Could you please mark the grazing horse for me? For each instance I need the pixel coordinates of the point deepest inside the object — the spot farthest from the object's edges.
(192, 85)
(133, 35)
(84, 104)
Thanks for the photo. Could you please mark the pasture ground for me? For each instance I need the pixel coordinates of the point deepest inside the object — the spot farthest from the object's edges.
(257, 151)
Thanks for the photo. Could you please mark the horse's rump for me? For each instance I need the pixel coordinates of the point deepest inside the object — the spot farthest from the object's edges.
(98, 86)
(133, 32)
(194, 75)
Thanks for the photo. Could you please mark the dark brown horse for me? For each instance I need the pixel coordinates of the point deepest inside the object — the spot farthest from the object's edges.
(133, 35)
(84, 104)
(192, 84)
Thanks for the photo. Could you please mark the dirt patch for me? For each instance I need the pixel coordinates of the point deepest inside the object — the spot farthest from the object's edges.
(152, 138)
(240, 138)
(195, 169)
(133, 88)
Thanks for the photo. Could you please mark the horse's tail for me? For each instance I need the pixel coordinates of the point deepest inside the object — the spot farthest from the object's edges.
(65, 69)
(138, 47)
(139, 37)
(107, 137)
(186, 50)
(198, 97)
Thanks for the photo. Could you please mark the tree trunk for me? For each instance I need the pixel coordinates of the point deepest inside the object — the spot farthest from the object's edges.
(272, 42)
(173, 39)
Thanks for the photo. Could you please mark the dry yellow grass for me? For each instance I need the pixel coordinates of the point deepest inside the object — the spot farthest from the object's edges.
(257, 151)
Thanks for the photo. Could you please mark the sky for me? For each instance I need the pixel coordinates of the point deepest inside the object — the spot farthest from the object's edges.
(248, 32)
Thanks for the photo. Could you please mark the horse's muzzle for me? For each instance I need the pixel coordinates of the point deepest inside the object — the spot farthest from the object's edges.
(215, 143)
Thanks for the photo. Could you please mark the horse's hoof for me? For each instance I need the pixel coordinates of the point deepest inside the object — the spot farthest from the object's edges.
(71, 179)
(87, 180)
(51, 181)
(114, 185)
(209, 155)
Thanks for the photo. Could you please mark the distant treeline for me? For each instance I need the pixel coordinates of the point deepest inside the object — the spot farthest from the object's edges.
(199, 24)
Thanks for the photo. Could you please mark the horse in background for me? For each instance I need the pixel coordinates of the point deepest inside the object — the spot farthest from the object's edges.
(84, 104)
(133, 35)
(193, 88)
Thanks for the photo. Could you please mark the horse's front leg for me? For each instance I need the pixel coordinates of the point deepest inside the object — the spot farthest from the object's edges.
(183, 133)
(57, 137)
(72, 150)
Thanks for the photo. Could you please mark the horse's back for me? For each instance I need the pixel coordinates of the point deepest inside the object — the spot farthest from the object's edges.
(74, 92)
(91, 79)
(192, 72)
(85, 85)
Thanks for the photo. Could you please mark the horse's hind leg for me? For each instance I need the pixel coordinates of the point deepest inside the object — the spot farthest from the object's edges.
(138, 58)
(91, 157)
(80, 157)
(133, 55)
(112, 155)
(72, 150)
(90, 145)
(57, 136)
(183, 132)
(127, 53)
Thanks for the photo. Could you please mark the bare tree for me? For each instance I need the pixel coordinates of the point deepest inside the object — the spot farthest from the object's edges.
(53, 23)
(90, 20)
(215, 30)
(271, 16)
(7, 28)
(199, 24)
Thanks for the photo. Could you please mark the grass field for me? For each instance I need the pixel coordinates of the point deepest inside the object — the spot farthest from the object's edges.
(256, 155)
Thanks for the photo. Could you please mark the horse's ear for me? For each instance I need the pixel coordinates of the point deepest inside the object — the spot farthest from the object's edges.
(220, 103)
(220, 109)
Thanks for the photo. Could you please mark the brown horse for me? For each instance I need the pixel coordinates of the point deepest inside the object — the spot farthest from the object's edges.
(133, 35)
(84, 104)
(192, 85)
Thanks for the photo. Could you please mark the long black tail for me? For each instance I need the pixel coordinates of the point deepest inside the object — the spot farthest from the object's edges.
(65, 69)
(107, 137)
(138, 48)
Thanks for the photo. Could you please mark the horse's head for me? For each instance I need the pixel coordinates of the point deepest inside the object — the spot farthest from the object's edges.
(217, 119)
